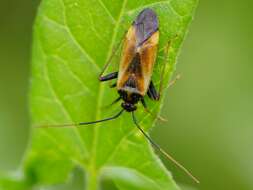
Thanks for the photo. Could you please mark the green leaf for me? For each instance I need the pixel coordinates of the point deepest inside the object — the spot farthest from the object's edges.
(13, 181)
(72, 41)
(186, 187)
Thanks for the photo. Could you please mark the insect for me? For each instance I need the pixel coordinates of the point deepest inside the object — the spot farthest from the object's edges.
(135, 72)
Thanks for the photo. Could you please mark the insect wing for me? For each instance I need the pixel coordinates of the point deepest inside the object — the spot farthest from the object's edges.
(147, 54)
(139, 53)
(128, 54)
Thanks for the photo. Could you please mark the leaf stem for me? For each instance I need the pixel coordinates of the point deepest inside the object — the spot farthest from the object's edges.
(92, 180)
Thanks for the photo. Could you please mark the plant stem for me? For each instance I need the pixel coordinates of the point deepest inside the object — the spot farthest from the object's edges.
(92, 180)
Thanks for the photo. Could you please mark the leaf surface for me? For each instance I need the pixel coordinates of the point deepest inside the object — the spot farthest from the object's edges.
(72, 41)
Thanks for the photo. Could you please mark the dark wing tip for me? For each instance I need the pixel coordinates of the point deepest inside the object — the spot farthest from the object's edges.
(147, 12)
(146, 24)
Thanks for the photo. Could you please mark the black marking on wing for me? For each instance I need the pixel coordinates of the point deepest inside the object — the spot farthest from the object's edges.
(135, 70)
(135, 65)
(131, 82)
(145, 24)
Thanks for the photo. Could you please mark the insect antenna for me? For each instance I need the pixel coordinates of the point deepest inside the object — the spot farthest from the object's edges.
(83, 123)
(162, 151)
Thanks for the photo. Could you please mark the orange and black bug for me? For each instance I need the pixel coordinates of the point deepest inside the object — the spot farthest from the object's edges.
(135, 72)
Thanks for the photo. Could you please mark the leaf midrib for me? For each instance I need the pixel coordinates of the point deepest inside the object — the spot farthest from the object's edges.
(101, 89)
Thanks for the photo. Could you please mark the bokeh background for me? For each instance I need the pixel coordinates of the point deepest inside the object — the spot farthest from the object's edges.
(209, 111)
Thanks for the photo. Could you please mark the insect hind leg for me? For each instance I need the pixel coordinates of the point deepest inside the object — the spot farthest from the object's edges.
(166, 53)
(148, 111)
(166, 50)
(152, 92)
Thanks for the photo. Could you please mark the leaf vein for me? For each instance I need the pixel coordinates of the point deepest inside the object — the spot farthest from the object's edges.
(140, 173)
(94, 29)
(148, 5)
(60, 103)
(75, 76)
(124, 138)
(107, 11)
(66, 28)
(101, 87)
(72, 36)
(174, 10)
(61, 148)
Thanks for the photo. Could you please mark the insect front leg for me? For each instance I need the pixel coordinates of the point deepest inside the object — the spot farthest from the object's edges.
(109, 76)
(114, 74)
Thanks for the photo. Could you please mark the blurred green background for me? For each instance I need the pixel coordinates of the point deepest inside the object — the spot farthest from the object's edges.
(209, 111)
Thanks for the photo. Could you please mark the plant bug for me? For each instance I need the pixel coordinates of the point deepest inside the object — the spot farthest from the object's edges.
(135, 72)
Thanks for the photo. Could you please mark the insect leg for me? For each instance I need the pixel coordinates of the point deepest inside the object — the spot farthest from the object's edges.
(152, 92)
(144, 104)
(114, 102)
(164, 66)
(109, 76)
(148, 111)
(114, 51)
(172, 82)
(165, 60)
(163, 152)
(113, 85)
